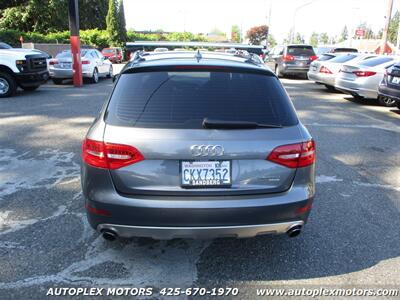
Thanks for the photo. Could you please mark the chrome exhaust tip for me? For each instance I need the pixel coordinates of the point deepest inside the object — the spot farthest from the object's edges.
(294, 231)
(109, 235)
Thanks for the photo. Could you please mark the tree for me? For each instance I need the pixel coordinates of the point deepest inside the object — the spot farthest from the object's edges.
(92, 14)
(121, 22)
(298, 39)
(46, 16)
(235, 34)
(314, 39)
(271, 41)
(12, 3)
(323, 38)
(344, 35)
(393, 27)
(257, 34)
(112, 23)
(53, 16)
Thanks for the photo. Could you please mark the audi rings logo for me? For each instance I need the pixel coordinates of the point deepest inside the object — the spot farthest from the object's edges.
(207, 150)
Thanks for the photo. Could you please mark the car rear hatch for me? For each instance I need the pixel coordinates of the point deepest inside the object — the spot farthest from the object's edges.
(299, 55)
(393, 77)
(195, 132)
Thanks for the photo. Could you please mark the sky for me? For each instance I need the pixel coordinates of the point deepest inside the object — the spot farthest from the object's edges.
(202, 16)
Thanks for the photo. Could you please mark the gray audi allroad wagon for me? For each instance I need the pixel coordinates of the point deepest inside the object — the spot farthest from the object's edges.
(197, 145)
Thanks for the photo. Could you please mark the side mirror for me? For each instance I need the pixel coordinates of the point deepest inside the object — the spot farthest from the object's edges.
(115, 77)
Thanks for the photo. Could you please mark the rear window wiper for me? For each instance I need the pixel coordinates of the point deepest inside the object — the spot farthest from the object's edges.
(226, 124)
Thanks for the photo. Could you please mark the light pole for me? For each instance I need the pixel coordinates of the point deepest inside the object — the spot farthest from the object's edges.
(387, 23)
(294, 19)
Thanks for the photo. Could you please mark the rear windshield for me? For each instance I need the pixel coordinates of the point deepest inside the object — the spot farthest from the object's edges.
(324, 57)
(67, 54)
(343, 58)
(372, 62)
(300, 50)
(183, 99)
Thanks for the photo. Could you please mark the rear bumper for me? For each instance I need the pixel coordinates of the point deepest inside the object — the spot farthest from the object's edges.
(389, 92)
(67, 73)
(294, 69)
(160, 233)
(328, 79)
(356, 89)
(164, 217)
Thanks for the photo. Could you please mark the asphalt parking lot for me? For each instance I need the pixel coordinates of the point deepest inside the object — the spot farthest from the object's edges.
(352, 238)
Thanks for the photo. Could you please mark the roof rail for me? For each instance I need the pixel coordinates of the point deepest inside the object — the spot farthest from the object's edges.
(132, 46)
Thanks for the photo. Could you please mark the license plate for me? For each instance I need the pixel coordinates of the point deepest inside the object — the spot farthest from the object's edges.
(65, 65)
(206, 173)
(301, 63)
(396, 80)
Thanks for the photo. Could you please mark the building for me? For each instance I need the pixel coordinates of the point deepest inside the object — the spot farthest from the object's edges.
(368, 46)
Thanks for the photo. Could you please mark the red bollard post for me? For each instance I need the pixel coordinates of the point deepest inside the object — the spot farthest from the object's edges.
(73, 10)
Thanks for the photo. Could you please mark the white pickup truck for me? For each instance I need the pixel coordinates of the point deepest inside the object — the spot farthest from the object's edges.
(21, 67)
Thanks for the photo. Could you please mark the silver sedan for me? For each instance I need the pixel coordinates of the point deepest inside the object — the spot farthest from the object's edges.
(325, 72)
(94, 65)
(362, 80)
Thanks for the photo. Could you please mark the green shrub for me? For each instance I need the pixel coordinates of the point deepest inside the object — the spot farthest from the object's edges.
(92, 37)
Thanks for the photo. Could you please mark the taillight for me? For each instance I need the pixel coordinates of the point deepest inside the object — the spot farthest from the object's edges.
(364, 73)
(313, 57)
(109, 156)
(52, 62)
(325, 70)
(85, 62)
(294, 155)
(288, 57)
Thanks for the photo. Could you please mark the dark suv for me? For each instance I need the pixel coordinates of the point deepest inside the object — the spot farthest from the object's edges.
(389, 88)
(291, 59)
(197, 145)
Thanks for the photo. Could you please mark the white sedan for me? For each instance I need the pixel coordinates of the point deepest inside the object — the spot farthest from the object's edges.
(94, 65)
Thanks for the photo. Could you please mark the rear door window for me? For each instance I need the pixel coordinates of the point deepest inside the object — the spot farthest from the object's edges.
(373, 62)
(182, 99)
(300, 50)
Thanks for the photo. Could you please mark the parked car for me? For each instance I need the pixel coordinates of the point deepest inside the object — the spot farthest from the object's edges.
(94, 65)
(5, 46)
(389, 87)
(325, 72)
(197, 145)
(291, 59)
(21, 68)
(115, 55)
(161, 49)
(332, 49)
(361, 80)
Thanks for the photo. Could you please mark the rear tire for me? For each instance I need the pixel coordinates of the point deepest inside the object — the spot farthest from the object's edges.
(95, 76)
(8, 85)
(110, 72)
(386, 101)
(57, 81)
(30, 88)
(358, 97)
(278, 71)
(330, 88)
